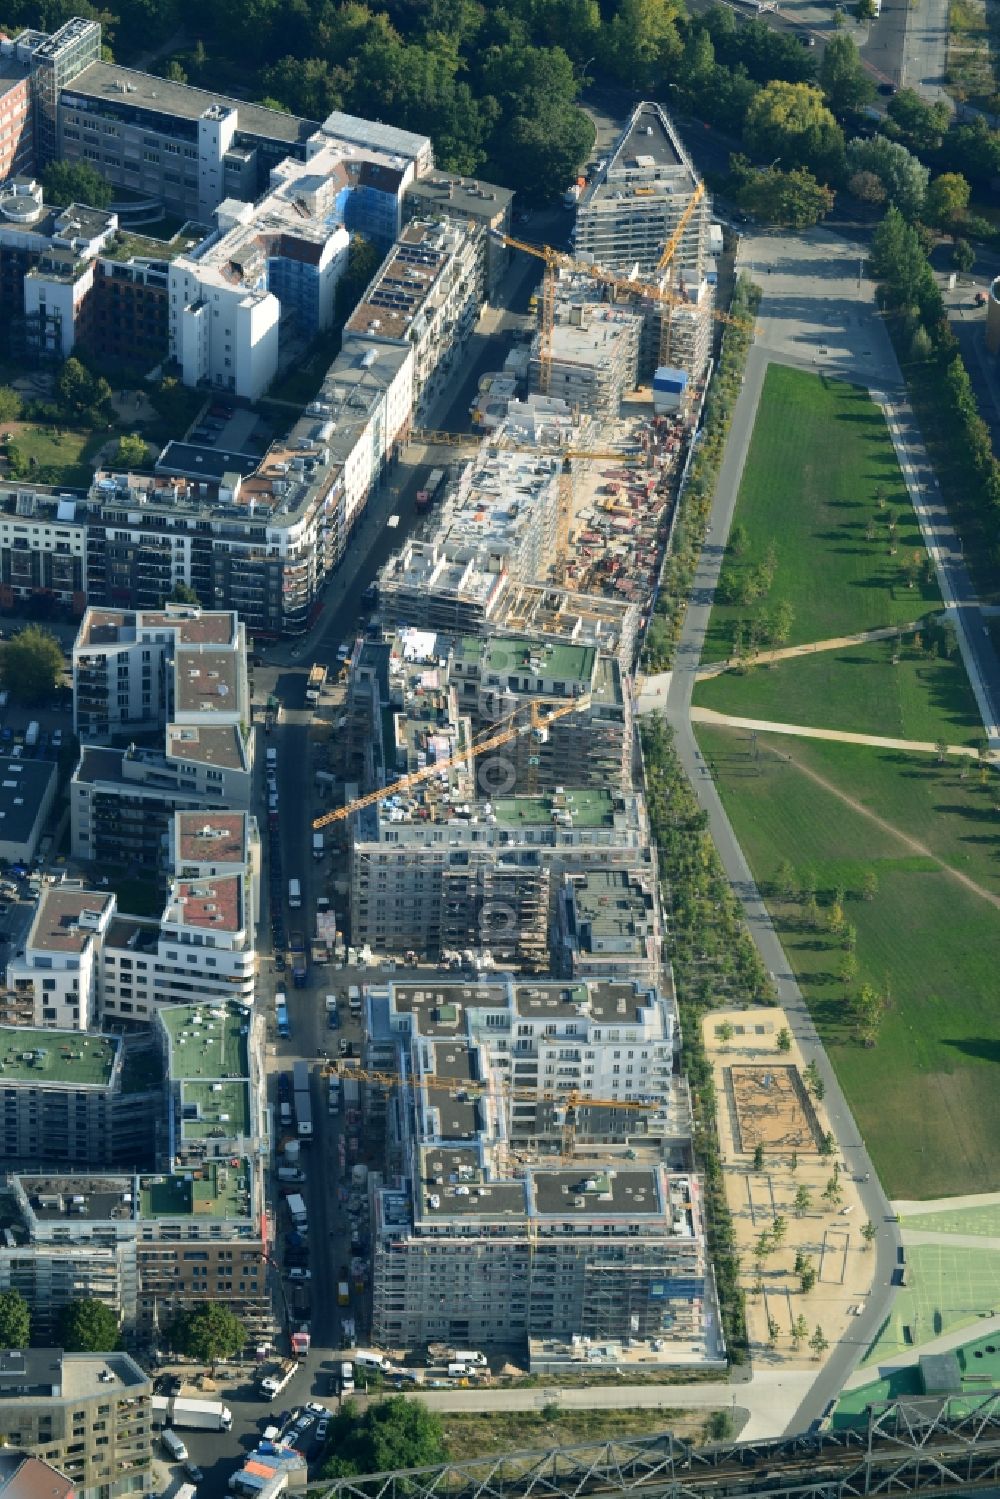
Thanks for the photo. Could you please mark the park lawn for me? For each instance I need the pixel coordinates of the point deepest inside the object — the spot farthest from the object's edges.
(63, 455)
(856, 689)
(925, 1097)
(820, 449)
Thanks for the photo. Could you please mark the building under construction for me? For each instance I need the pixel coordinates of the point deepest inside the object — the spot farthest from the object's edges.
(593, 356)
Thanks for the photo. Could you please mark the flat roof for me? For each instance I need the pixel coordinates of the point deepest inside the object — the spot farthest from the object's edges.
(579, 1193)
(213, 903)
(613, 908)
(191, 461)
(452, 1186)
(207, 1041)
(466, 195)
(189, 626)
(572, 665)
(206, 744)
(586, 807)
(211, 837)
(67, 920)
(24, 784)
(96, 1199)
(213, 1190)
(104, 81)
(405, 279)
(215, 1110)
(49, 1057)
(362, 132)
(206, 681)
(82, 1373)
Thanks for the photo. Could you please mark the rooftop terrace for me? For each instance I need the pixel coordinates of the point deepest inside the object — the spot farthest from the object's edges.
(49, 1058)
(214, 1110)
(206, 1042)
(214, 1190)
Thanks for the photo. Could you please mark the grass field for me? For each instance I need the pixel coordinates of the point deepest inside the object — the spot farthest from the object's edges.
(925, 1097)
(946, 1288)
(858, 689)
(61, 454)
(475, 1436)
(820, 451)
(983, 1222)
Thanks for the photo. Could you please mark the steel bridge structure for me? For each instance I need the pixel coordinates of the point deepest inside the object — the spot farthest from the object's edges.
(906, 1446)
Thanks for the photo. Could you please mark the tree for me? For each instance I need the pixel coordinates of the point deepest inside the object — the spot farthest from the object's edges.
(779, 1228)
(130, 452)
(719, 1426)
(866, 186)
(865, 10)
(183, 593)
(832, 1192)
(67, 182)
(842, 76)
(869, 1233)
(947, 200)
(11, 404)
(725, 1032)
(758, 1157)
(818, 1342)
(81, 393)
(31, 664)
(784, 1039)
(803, 1201)
(389, 1436)
(175, 72)
(87, 1326)
(785, 882)
(813, 1081)
(903, 178)
(869, 885)
(792, 199)
(807, 1276)
(15, 1320)
(642, 37)
(791, 121)
(827, 1145)
(848, 970)
(208, 1332)
(800, 1331)
(923, 125)
(763, 1246)
(963, 256)
(783, 617)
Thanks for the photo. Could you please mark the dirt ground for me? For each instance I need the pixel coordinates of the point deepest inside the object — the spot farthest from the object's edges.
(763, 1100)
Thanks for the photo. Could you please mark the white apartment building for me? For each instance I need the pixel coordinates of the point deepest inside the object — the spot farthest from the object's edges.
(60, 966)
(43, 542)
(273, 262)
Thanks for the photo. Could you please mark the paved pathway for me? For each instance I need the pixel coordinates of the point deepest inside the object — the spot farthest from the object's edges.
(905, 1207)
(839, 736)
(769, 1400)
(813, 647)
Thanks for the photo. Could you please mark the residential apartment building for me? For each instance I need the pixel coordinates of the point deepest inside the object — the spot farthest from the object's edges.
(217, 1104)
(609, 924)
(273, 262)
(43, 544)
(88, 1415)
(427, 294)
(590, 745)
(84, 1102)
(27, 791)
(16, 132)
(461, 862)
(179, 669)
(464, 200)
(634, 203)
(59, 966)
(134, 671)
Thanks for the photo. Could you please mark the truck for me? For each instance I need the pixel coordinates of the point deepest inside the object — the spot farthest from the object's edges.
(281, 1016)
(275, 1377)
(432, 488)
(297, 1209)
(318, 849)
(298, 962)
(314, 682)
(294, 894)
(196, 1415)
(31, 734)
(303, 1102)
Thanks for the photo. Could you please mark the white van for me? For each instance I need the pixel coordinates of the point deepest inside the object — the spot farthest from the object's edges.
(173, 1444)
(460, 1371)
(271, 756)
(470, 1356)
(354, 999)
(366, 1360)
(294, 894)
(347, 1379)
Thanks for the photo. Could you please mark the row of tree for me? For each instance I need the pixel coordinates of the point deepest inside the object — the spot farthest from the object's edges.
(208, 1332)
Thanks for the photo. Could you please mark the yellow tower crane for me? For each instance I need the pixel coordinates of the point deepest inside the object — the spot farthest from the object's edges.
(567, 1101)
(538, 723)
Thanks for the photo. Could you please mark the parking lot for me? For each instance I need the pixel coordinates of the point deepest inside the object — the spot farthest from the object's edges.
(230, 429)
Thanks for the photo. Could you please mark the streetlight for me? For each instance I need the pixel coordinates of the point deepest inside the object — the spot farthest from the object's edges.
(774, 164)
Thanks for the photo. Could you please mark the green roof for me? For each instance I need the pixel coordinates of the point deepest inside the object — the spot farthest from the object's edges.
(207, 1041)
(215, 1110)
(571, 664)
(47, 1057)
(215, 1190)
(126, 245)
(588, 809)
